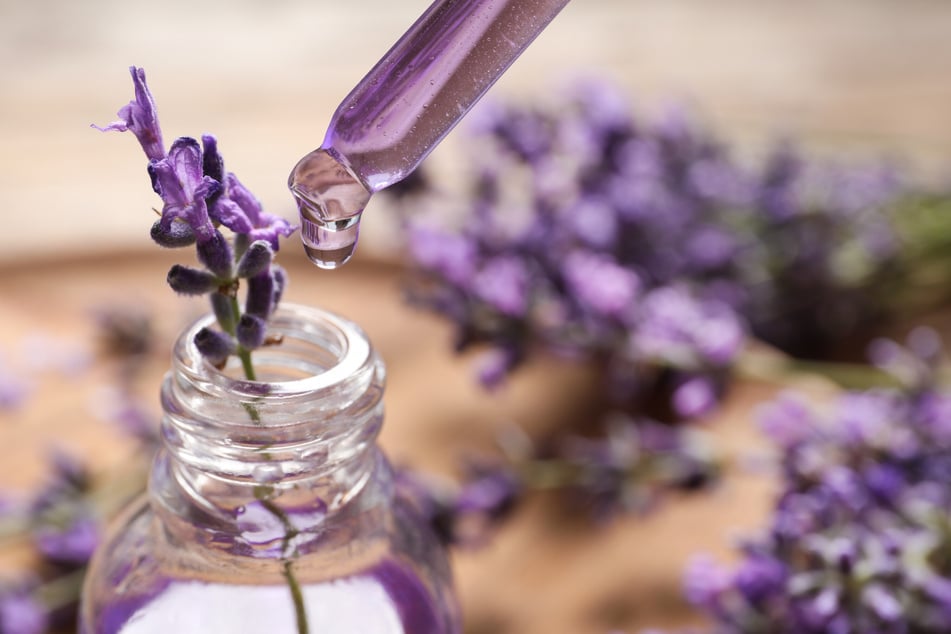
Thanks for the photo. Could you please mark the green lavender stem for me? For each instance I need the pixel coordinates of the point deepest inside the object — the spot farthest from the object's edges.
(263, 493)
(768, 364)
(297, 597)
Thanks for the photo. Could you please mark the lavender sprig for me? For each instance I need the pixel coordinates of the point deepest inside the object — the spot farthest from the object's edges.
(199, 200)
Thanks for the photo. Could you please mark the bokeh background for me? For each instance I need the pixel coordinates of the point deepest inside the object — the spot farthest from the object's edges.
(846, 79)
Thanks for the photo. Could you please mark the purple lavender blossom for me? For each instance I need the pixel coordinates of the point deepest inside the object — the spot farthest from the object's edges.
(183, 187)
(71, 541)
(601, 285)
(858, 539)
(20, 613)
(695, 397)
(200, 198)
(503, 284)
(241, 212)
(463, 515)
(634, 465)
(644, 245)
(139, 117)
(65, 529)
(678, 328)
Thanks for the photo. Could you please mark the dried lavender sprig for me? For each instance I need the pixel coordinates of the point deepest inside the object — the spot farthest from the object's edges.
(199, 199)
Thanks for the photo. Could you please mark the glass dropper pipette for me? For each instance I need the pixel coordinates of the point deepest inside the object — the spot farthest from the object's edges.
(403, 108)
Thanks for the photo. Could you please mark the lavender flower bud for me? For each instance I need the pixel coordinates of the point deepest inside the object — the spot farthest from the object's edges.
(175, 235)
(211, 162)
(256, 259)
(69, 543)
(215, 253)
(279, 277)
(212, 166)
(215, 346)
(154, 177)
(250, 331)
(260, 296)
(224, 312)
(188, 281)
(495, 365)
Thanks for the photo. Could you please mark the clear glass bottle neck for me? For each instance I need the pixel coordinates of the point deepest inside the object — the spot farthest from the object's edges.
(308, 424)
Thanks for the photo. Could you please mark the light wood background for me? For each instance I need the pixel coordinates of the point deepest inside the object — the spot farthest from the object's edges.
(542, 572)
(868, 77)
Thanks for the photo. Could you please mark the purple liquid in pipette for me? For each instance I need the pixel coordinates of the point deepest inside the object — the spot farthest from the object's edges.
(403, 108)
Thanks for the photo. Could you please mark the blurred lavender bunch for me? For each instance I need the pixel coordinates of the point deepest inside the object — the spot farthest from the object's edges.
(860, 538)
(645, 246)
(199, 198)
(630, 469)
(63, 519)
(64, 528)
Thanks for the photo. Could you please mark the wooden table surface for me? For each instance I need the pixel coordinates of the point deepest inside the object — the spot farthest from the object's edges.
(540, 573)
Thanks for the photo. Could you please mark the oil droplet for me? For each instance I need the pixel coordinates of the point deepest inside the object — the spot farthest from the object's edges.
(329, 244)
(330, 199)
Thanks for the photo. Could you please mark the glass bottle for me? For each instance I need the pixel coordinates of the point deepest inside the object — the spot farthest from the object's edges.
(270, 507)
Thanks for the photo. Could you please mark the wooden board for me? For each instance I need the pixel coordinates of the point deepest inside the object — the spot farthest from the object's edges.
(540, 574)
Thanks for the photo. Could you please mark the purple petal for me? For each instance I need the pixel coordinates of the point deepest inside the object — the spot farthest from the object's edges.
(705, 581)
(503, 283)
(185, 159)
(72, 544)
(600, 284)
(273, 228)
(139, 117)
(212, 164)
(228, 213)
(449, 255)
(245, 200)
(22, 614)
(695, 397)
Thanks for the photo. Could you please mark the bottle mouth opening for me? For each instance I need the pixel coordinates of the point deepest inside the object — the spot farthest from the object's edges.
(313, 351)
